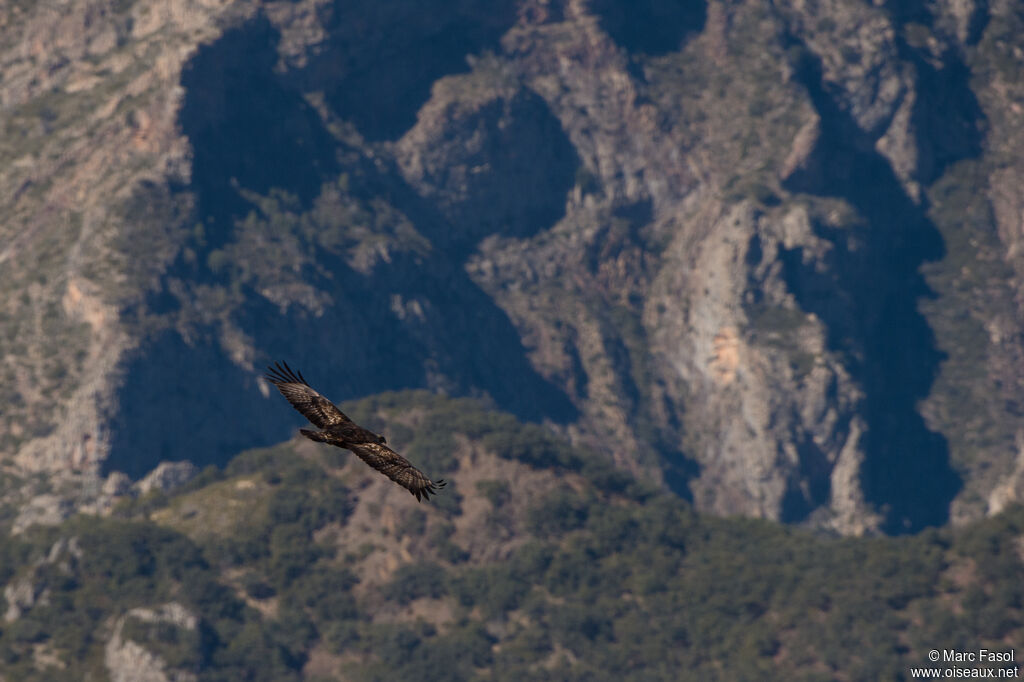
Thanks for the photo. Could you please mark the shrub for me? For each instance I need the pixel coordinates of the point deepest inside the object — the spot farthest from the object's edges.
(412, 581)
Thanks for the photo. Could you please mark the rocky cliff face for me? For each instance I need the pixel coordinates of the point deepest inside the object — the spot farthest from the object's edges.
(768, 255)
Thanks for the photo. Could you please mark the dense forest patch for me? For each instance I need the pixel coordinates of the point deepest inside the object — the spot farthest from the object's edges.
(605, 579)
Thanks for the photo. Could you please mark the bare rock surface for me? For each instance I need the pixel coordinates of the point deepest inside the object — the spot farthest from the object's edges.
(768, 255)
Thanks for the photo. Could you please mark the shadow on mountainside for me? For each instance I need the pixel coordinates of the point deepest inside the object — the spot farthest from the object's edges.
(503, 168)
(380, 59)
(868, 300)
(190, 400)
(247, 131)
(413, 320)
(976, 17)
(651, 27)
(947, 119)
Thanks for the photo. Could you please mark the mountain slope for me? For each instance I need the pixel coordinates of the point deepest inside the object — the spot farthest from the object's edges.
(541, 561)
(766, 256)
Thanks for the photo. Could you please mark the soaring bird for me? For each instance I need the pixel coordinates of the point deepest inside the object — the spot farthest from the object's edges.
(338, 430)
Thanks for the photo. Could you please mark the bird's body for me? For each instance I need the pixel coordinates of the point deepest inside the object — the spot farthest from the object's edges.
(344, 432)
(338, 430)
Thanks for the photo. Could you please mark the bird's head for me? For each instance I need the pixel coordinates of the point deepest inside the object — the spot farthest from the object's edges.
(382, 440)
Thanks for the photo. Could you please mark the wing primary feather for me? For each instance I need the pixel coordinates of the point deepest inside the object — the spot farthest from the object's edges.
(288, 374)
(320, 411)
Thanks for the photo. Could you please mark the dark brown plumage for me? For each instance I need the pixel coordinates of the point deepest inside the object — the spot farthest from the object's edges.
(340, 431)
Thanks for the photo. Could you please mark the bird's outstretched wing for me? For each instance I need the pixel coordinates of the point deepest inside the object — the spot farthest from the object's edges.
(313, 406)
(397, 468)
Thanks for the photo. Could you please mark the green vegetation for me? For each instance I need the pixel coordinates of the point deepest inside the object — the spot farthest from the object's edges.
(431, 443)
(745, 114)
(973, 294)
(997, 56)
(611, 581)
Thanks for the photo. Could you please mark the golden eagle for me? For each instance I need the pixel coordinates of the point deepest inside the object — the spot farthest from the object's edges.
(340, 431)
